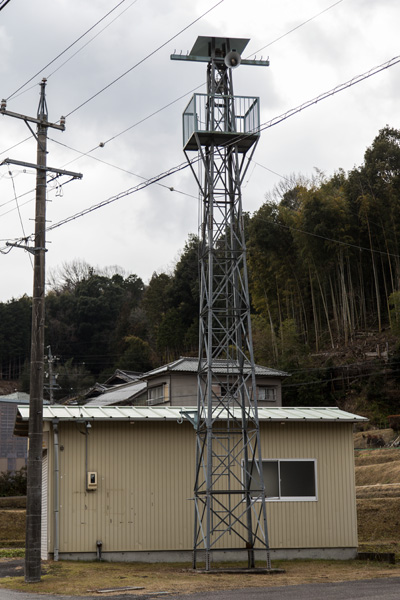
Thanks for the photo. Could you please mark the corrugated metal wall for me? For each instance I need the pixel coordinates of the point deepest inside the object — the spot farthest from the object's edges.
(331, 521)
(145, 482)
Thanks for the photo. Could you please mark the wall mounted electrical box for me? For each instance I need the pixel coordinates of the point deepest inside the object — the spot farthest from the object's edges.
(91, 483)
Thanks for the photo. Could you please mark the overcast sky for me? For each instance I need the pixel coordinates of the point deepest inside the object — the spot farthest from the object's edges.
(145, 231)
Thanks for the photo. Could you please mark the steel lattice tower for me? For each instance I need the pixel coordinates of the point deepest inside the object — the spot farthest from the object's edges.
(229, 494)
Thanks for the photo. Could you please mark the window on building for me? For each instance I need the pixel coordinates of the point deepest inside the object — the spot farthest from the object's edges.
(287, 479)
(155, 395)
(266, 393)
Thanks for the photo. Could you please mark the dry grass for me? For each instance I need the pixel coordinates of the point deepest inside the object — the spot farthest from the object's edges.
(376, 456)
(77, 578)
(382, 491)
(381, 473)
(378, 498)
(13, 502)
(12, 528)
(378, 519)
(360, 438)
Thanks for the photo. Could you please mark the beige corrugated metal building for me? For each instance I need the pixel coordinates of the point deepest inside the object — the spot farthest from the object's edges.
(142, 465)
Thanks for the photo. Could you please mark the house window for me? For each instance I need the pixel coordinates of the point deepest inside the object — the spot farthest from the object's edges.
(155, 395)
(266, 393)
(287, 479)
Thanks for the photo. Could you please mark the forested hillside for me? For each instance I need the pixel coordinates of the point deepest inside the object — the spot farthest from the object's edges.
(325, 254)
(324, 268)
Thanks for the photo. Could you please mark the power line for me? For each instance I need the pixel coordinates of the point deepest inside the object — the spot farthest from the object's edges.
(104, 162)
(79, 49)
(19, 213)
(156, 112)
(16, 95)
(295, 28)
(347, 244)
(339, 88)
(332, 92)
(16, 201)
(3, 4)
(102, 144)
(270, 170)
(143, 59)
(262, 127)
(354, 377)
(354, 213)
(93, 38)
(123, 194)
(15, 145)
(66, 49)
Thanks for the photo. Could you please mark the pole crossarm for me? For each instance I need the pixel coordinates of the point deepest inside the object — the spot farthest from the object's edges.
(11, 161)
(27, 248)
(245, 61)
(25, 118)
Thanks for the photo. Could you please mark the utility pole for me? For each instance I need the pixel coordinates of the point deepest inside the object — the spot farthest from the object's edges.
(52, 385)
(34, 465)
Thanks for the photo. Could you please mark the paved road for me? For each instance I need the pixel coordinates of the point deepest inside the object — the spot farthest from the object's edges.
(372, 589)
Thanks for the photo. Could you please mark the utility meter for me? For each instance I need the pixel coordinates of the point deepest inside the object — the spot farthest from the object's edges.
(91, 483)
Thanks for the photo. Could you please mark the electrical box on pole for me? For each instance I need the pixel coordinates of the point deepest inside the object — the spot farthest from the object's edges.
(229, 491)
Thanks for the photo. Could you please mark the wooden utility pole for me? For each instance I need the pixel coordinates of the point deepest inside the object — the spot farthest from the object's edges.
(34, 470)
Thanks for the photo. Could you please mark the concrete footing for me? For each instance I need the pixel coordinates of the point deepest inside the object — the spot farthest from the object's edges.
(218, 556)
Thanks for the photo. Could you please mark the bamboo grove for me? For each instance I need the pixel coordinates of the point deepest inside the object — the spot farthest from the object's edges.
(324, 254)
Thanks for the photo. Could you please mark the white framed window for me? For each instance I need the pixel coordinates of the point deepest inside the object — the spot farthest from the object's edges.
(288, 479)
(155, 394)
(266, 393)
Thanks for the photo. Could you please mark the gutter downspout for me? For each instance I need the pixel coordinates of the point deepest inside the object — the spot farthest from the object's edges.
(56, 492)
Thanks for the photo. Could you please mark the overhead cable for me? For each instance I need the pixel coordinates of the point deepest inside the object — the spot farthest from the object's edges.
(308, 103)
(19, 212)
(91, 39)
(123, 194)
(323, 237)
(3, 4)
(15, 145)
(66, 49)
(264, 126)
(332, 92)
(104, 162)
(143, 59)
(295, 28)
(102, 144)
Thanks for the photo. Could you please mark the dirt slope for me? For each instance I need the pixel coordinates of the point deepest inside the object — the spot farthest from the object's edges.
(378, 497)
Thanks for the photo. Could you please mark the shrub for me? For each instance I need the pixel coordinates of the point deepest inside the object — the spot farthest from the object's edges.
(13, 483)
(394, 422)
(375, 441)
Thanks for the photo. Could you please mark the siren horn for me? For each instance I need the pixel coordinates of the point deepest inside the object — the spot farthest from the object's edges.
(232, 59)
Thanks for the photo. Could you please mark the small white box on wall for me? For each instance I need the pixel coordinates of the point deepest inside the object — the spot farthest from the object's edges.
(91, 483)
